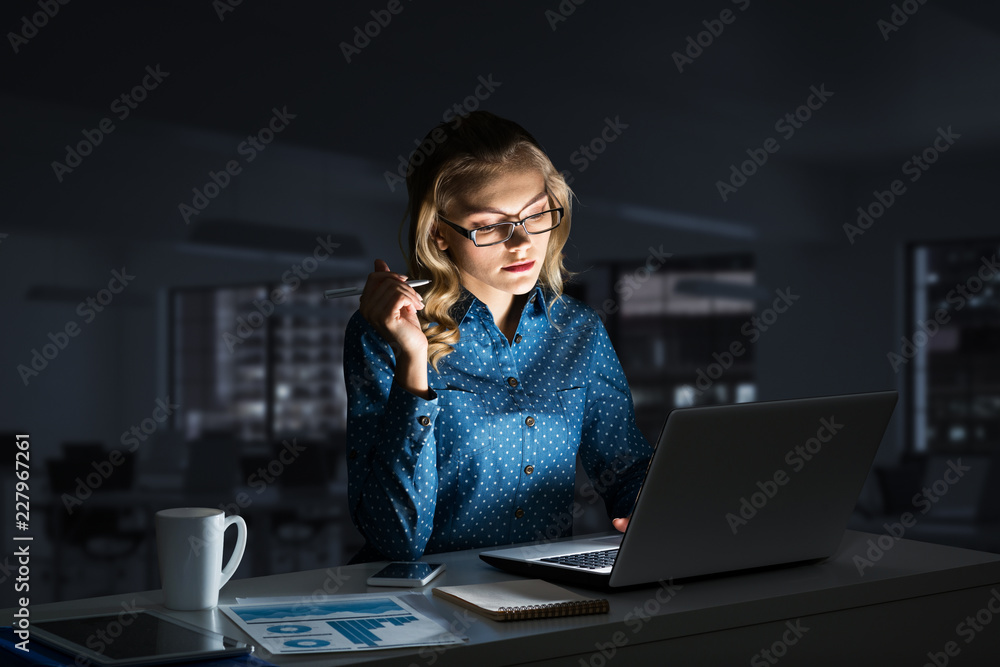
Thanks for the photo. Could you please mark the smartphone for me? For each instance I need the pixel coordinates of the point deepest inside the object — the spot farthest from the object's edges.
(402, 573)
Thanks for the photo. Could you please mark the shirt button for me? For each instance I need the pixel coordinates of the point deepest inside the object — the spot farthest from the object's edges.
(519, 513)
(529, 469)
(530, 421)
(424, 420)
(517, 338)
(512, 382)
(353, 454)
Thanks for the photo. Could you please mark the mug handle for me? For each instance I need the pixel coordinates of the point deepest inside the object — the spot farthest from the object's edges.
(241, 545)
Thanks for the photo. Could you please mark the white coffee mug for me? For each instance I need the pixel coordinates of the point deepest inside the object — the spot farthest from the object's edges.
(189, 541)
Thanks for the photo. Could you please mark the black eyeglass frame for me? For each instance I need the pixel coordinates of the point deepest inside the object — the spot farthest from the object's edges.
(471, 233)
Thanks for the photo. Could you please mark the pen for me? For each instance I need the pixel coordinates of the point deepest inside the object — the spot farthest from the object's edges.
(356, 291)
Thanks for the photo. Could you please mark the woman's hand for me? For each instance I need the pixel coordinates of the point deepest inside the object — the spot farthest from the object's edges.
(620, 524)
(390, 306)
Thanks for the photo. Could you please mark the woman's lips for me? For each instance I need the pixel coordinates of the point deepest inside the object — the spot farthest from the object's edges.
(518, 268)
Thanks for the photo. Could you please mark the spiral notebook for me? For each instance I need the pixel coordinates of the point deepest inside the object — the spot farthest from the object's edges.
(521, 599)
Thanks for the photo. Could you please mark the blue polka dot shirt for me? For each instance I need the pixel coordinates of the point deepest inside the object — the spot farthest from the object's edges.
(490, 458)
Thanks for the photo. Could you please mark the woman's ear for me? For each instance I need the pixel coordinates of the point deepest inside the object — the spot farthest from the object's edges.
(439, 240)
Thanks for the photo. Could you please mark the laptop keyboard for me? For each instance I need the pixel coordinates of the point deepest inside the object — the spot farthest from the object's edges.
(589, 560)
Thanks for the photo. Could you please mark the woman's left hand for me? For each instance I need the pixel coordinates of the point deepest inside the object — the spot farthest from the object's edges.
(620, 524)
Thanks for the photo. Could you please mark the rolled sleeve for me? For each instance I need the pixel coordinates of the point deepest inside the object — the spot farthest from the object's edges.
(408, 419)
(392, 462)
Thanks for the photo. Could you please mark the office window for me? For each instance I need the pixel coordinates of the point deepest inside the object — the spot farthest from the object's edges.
(242, 369)
(219, 376)
(673, 328)
(951, 347)
(309, 396)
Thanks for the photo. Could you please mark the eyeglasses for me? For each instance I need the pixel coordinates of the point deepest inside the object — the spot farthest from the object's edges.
(501, 232)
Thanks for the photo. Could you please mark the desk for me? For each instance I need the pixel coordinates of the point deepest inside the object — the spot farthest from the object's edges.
(910, 601)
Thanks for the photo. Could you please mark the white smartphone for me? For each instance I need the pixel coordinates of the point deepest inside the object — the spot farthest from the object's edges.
(408, 574)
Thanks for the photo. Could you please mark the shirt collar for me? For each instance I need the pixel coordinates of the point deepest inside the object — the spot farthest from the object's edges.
(468, 303)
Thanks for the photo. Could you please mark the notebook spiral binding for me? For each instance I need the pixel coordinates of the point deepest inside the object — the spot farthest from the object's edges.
(556, 609)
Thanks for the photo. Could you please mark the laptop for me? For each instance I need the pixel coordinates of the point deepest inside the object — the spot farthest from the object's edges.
(729, 488)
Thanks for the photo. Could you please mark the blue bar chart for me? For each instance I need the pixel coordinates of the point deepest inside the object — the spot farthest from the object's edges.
(360, 631)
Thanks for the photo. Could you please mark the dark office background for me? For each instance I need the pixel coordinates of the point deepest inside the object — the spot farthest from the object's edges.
(182, 390)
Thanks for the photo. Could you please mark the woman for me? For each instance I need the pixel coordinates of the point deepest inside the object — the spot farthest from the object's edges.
(467, 405)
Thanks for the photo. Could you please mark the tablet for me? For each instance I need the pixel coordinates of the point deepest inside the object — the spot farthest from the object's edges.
(140, 637)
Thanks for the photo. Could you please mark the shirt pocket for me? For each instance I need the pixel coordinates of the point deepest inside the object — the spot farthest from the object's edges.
(464, 424)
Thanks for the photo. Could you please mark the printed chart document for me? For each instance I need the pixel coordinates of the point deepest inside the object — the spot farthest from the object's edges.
(337, 623)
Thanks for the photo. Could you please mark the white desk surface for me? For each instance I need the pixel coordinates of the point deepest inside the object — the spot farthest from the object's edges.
(906, 574)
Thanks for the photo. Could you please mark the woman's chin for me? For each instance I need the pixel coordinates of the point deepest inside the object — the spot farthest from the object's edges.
(521, 283)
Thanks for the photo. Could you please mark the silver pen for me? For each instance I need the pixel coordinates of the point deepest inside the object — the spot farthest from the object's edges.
(356, 291)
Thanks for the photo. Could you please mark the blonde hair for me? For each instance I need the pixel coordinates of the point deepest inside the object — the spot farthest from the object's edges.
(464, 155)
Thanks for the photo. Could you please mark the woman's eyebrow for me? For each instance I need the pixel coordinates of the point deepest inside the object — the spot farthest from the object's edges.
(540, 195)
